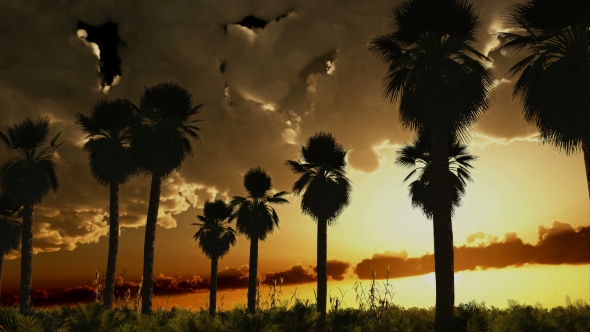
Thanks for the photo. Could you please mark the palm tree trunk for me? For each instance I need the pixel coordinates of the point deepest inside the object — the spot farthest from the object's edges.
(443, 229)
(148, 245)
(26, 265)
(586, 151)
(322, 256)
(213, 287)
(109, 291)
(252, 274)
(1, 268)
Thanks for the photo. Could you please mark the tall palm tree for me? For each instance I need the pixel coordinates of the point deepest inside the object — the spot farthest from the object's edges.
(10, 230)
(417, 157)
(28, 178)
(256, 220)
(108, 129)
(326, 193)
(555, 75)
(442, 86)
(160, 144)
(215, 238)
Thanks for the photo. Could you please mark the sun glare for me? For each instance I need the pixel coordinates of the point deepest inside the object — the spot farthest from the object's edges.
(431, 279)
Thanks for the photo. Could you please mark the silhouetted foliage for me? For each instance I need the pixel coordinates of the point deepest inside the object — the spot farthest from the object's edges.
(443, 87)
(417, 157)
(256, 219)
(554, 77)
(215, 238)
(108, 130)
(160, 145)
(326, 193)
(26, 179)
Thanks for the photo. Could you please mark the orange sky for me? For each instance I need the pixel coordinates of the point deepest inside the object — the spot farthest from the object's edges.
(523, 191)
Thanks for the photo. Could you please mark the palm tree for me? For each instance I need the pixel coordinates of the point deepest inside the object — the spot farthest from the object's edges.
(326, 193)
(27, 179)
(108, 129)
(160, 144)
(417, 157)
(256, 219)
(443, 87)
(215, 238)
(10, 230)
(555, 75)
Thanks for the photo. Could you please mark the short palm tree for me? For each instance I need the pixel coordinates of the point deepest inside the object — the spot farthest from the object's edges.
(160, 145)
(326, 193)
(28, 178)
(443, 86)
(108, 129)
(555, 75)
(10, 230)
(417, 157)
(215, 238)
(256, 219)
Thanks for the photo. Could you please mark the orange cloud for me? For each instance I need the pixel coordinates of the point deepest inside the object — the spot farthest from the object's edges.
(558, 244)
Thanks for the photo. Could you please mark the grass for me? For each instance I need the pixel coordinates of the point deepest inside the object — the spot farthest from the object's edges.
(375, 311)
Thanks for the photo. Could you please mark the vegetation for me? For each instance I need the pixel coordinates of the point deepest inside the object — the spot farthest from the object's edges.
(443, 87)
(215, 238)
(10, 230)
(553, 79)
(375, 312)
(161, 144)
(417, 157)
(326, 193)
(256, 219)
(108, 129)
(27, 179)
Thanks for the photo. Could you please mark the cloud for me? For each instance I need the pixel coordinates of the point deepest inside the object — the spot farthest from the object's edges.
(295, 275)
(230, 278)
(558, 244)
(283, 64)
(299, 274)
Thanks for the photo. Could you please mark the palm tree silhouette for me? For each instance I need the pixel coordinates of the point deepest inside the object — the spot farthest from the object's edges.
(215, 238)
(10, 230)
(160, 145)
(417, 157)
(256, 219)
(27, 179)
(326, 193)
(442, 87)
(554, 78)
(108, 129)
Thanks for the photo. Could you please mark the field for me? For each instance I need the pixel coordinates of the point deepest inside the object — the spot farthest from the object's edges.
(375, 312)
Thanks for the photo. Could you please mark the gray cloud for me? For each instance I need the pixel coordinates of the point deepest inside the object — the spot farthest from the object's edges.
(280, 94)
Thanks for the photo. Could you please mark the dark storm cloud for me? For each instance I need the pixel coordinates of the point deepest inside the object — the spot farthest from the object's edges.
(304, 71)
(558, 244)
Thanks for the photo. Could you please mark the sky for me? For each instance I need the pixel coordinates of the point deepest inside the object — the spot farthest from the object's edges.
(271, 74)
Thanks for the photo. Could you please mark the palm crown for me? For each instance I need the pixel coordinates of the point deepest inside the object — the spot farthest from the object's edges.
(108, 129)
(166, 109)
(554, 76)
(439, 78)
(255, 217)
(540, 20)
(215, 237)
(30, 176)
(322, 178)
(418, 158)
